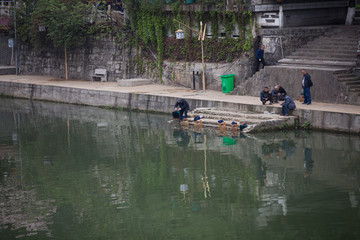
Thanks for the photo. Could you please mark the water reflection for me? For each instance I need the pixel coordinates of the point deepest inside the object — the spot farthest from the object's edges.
(67, 175)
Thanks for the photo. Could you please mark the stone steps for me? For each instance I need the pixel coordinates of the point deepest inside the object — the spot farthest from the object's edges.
(342, 41)
(325, 51)
(357, 82)
(319, 42)
(328, 47)
(255, 121)
(314, 62)
(348, 79)
(345, 75)
(323, 55)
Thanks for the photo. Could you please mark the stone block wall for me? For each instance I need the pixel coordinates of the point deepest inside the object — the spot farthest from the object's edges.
(121, 63)
(82, 62)
(180, 73)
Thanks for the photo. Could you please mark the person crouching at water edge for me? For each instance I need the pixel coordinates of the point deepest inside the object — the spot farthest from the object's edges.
(287, 105)
(181, 107)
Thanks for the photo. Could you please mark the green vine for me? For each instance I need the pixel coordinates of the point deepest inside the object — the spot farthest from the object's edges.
(150, 25)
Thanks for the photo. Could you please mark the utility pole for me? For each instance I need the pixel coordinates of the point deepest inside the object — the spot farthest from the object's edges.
(201, 37)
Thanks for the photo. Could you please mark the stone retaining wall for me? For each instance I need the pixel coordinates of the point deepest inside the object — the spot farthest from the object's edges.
(177, 73)
(326, 87)
(82, 62)
(121, 63)
(332, 121)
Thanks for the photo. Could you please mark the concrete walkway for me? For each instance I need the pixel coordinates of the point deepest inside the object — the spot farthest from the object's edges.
(345, 118)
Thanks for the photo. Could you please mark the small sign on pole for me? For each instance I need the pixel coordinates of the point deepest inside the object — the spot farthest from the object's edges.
(11, 42)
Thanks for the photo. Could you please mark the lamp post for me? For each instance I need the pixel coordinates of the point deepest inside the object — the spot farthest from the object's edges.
(201, 37)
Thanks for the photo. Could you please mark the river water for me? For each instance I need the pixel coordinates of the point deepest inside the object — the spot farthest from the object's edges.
(77, 172)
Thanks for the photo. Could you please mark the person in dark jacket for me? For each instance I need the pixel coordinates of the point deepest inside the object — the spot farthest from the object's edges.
(278, 93)
(287, 105)
(259, 58)
(265, 96)
(182, 106)
(306, 81)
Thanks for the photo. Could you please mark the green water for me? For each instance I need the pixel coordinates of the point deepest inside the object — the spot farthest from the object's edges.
(74, 172)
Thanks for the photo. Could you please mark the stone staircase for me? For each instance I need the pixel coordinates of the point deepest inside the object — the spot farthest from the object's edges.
(255, 121)
(337, 48)
(350, 79)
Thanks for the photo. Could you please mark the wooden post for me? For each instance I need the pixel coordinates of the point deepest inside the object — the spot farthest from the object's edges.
(202, 38)
(66, 65)
(203, 65)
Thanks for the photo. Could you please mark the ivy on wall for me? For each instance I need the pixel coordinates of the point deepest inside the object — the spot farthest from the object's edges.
(151, 23)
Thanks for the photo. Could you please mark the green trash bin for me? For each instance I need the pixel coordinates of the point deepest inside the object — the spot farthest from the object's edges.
(227, 82)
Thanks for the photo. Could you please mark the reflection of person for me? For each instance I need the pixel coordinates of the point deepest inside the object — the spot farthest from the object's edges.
(308, 162)
(265, 96)
(268, 149)
(260, 171)
(278, 93)
(182, 106)
(259, 58)
(306, 84)
(287, 105)
(181, 137)
(289, 147)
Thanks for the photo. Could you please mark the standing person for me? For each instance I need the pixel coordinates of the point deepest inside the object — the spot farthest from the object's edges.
(259, 58)
(306, 84)
(278, 93)
(287, 105)
(265, 96)
(182, 106)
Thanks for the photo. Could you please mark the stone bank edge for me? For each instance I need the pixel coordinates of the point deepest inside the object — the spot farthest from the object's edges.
(323, 120)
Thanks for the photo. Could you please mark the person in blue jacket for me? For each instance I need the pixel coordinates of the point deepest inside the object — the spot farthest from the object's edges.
(259, 58)
(182, 106)
(287, 105)
(306, 84)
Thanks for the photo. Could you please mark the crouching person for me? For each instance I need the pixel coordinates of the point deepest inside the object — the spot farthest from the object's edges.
(278, 93)
(182, 107)
(265, 96)
(287, 105)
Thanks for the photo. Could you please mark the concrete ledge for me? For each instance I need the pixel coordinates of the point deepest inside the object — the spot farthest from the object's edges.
(319, 119)
(133, 82)
(4, 70)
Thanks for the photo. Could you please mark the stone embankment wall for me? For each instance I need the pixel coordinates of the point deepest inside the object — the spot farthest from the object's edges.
(333, 121)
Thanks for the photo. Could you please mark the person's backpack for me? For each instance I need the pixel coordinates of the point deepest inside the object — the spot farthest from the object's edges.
(310, 82)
